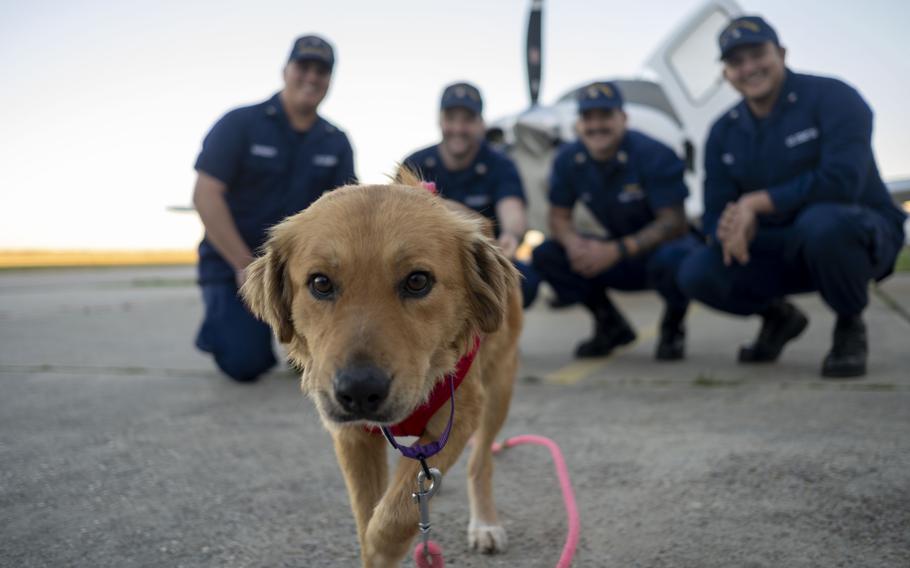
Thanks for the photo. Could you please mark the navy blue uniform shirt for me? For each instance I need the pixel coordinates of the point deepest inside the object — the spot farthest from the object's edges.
(490, 177)
(624, 192)
(271, 171)
(815, 146)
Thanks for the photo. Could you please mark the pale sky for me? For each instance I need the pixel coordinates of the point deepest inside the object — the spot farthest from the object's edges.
(103, 105)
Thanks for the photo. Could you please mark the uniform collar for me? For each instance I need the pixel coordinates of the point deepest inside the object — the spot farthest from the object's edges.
(619, 159)
(479, 165)
(787, 96)
(275, 110)
(742, 116)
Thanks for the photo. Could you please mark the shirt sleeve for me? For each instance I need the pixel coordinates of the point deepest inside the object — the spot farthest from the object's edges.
(663, 179)
(344, 171)
(223, 148)
(845, 128)
(720, 188)
(508, 182)
(562, 190)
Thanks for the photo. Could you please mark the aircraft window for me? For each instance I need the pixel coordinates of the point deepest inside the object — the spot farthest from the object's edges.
(694, 60)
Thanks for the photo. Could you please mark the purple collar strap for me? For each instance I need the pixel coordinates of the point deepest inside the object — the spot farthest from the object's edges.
(422, 452)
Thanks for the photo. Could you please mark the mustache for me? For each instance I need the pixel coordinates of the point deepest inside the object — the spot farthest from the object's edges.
(595, 131)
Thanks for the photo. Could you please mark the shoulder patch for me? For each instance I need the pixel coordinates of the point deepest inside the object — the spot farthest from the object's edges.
(631, 192)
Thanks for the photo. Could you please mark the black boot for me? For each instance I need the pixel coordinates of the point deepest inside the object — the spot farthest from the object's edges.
(672, 343)
(847, 357)
(611, 329)
(781, 322)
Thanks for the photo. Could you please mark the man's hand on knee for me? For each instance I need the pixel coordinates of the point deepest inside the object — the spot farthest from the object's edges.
(735, 231)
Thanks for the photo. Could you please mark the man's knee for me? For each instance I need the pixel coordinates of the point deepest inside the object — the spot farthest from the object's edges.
(698, 276)
(667, 259)
(549, 255)
(551, 263)
(245, 365)
(829, 231)
(530, 282)
(240, 344)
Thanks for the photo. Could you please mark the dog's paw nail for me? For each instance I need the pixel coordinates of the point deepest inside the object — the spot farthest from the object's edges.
(488, 539)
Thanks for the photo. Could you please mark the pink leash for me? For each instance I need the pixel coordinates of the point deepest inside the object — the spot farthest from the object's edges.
(568, 496)
(429, 555)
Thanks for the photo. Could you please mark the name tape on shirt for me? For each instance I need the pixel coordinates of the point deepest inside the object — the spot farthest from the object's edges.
(801, 137)
(325, 160)
(477, 200)
(263, 151)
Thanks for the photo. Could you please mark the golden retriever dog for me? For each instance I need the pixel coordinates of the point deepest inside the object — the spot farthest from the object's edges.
(378, 291)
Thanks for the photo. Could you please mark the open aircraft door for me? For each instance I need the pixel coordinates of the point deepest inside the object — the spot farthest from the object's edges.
(691, 76)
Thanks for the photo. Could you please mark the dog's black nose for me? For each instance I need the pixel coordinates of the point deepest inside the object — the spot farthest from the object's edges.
(361, 389)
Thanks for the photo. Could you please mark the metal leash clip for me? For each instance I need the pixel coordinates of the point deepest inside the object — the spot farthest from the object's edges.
(422, 498)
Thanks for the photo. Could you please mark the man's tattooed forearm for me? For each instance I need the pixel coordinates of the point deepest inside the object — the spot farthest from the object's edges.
(669, 224)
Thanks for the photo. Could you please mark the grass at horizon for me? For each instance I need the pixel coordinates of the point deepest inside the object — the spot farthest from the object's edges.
(11, 259)
(903, 261)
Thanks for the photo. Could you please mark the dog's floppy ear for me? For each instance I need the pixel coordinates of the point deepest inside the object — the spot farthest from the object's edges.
(491, 280)
(267, 291)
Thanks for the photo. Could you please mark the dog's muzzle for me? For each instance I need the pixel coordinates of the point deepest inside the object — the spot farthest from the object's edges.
(361, 389)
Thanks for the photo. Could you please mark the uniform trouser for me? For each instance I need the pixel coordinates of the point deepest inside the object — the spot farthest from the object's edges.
(831, 248)
(530, 281)
(240, 343)
(654, 271)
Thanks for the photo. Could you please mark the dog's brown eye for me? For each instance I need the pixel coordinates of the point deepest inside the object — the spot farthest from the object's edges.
(418, 284)
(321, 287)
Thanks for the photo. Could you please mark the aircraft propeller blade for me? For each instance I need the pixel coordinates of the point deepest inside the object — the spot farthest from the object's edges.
(534, 53)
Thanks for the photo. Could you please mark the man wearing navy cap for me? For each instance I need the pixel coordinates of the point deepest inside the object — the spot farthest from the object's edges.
(633, 185)
(793, 202)
(259, 164)
(467, 170)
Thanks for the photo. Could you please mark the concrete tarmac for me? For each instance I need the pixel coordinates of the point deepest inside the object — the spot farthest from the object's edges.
(122, 446)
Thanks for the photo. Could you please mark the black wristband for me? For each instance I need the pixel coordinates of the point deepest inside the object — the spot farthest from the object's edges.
(623, 251)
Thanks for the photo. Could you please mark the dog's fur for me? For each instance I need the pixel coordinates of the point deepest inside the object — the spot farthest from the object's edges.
(367, 240)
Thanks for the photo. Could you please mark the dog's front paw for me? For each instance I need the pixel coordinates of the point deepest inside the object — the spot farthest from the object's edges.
(488, 539)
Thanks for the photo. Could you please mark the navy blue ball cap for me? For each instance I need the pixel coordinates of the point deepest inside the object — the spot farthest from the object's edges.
(462, 95)
(599, 95)
(313, 48)
(745, 30)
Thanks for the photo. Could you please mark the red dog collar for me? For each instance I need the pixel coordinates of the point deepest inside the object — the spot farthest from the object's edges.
(416, 423)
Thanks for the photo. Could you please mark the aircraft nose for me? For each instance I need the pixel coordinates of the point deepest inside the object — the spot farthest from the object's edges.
(361, 389)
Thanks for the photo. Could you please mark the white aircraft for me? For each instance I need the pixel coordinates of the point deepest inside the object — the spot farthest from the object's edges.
(680, 93)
